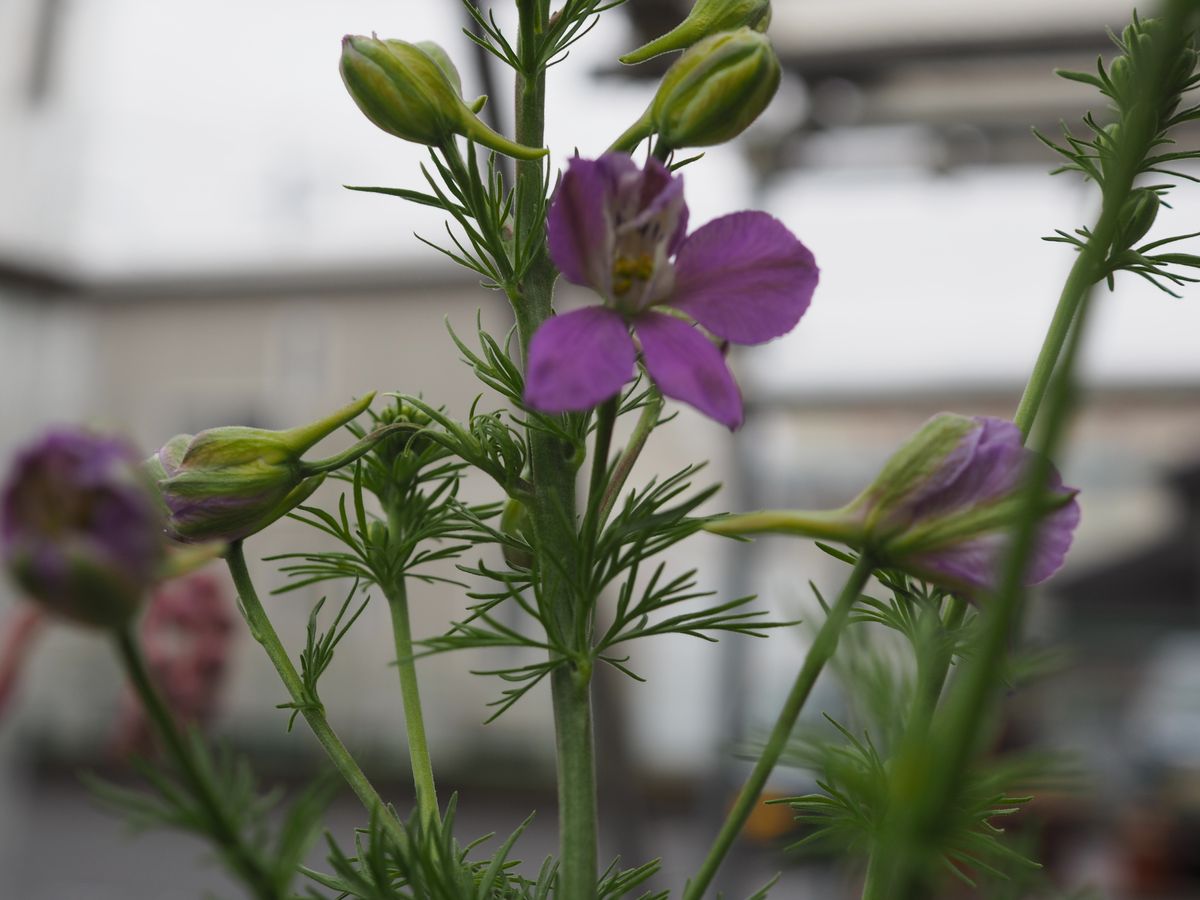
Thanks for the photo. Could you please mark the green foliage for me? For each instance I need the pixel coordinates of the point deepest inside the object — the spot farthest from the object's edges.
(540, 50)
(429, 864)
(318, 652)
(237, 822)
(1137, 134)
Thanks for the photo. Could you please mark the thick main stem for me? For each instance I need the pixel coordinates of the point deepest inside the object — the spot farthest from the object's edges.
(410, 694)
(241, 857)
(819, 654)
(553, 506)
(264, 632)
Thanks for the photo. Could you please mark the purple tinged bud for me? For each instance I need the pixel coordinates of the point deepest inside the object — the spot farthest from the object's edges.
(227, 483)
(950, 524)
(81, 527)
(942, 508)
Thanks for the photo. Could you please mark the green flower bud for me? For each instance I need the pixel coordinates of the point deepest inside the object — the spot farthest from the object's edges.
(412, 94)
(1137, 216)
(707, 17)
(446, 64)
(227, 483)
(715, 90)
(515, 524)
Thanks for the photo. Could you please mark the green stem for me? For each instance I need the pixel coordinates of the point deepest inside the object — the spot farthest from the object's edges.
(819, 654)
(1080, 279)
(553, 505)
(606, 417)
(633, 135)
(821, 525)
(906, 856)
(242, 858)
(641, 433)
(314, 714)
(414, 719)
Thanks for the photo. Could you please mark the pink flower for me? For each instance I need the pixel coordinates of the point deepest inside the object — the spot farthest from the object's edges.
(621, 230)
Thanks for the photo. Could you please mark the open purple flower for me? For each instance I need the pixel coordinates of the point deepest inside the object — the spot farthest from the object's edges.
(82, 528)
(620, 230)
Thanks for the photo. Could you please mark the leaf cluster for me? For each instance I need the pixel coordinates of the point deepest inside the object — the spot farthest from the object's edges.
(649, 521)
(238, 826)
(416, 482)
(537, 50)
(848, 810)
(427, 863)
(1146, 85)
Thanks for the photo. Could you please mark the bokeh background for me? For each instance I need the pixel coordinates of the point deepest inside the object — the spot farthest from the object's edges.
(177, 251)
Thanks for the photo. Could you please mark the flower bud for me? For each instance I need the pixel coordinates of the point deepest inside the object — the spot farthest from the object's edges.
(413, 95)
(227, 483)
(941, 508)
(715, 90)
(515, 524)
(1137, 216)
(706, 18)
(82, 529)
(446, 64)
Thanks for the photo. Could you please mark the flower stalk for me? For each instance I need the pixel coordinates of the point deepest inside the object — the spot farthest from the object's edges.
(314, 714)
(821, 651)
(240, 856)
(410, 693)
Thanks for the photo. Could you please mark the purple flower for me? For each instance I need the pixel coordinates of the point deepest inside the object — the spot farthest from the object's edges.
(621, 230)
(81, 527)
(942, 508)
(944, 505)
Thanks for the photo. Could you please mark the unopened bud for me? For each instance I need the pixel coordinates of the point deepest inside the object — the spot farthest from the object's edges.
(227, 483)
(707, 17)
(82, 531)
(410, 94)
(446, 64)
(715, 90)
(941, 508)
(514, 525)
(1137, 217)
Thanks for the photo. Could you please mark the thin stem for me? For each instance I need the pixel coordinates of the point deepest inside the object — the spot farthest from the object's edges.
(905, 859)
(1081, 277)
(414, 720)
(819, 654)
(314, 714)
(821, 525)
(606, 417)
(242, 858)
(641, 433)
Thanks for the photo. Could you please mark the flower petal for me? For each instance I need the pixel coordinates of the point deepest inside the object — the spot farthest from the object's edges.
(657, 205)
(744, 277)
(685, 365)
(578, 359)
(579, 224)
(1054, 536)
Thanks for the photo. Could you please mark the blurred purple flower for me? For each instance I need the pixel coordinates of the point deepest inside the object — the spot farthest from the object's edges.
(615, 227)
(952, 525)
(942, 509)
(81, 527)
